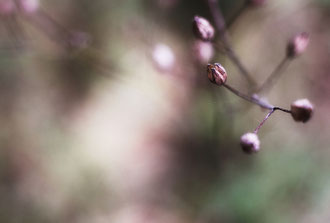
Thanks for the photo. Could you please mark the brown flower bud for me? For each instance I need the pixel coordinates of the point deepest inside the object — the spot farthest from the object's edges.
(250, 143)
(203, 28)
(216, 74)
(297, 45)
(302, 110)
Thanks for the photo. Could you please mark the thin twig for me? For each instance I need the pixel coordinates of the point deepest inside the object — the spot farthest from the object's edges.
(263, 121)
(274, 76)
(221, 26)
(268, 115)
(249, 98)
(282, 109)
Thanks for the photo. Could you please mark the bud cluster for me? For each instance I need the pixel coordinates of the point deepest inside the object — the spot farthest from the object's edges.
(301, 110)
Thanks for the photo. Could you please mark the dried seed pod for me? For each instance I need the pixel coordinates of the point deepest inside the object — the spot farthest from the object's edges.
(297, 45)
(203, 28)
(250, 143)
(216, 74)
(302, 110)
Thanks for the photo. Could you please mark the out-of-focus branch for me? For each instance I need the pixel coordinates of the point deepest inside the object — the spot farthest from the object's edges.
(274, 76)
(221, 27)
(237, 14)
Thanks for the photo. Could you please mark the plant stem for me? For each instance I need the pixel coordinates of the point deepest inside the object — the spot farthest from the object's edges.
(249, 98)
(221, 26)
(274, 76)
(268, 115)
(263, 121)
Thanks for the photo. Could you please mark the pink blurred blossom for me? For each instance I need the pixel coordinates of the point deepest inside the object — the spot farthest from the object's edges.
(163, 57)
(29, 6)
(7, 7)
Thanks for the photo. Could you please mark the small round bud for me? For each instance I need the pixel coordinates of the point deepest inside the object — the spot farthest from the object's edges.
(203, 28)
(216, 74)
(203, 51)
(297, 45)
(250, 143)
(302, 110)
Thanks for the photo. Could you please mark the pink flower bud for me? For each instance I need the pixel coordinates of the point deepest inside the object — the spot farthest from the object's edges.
(29, 6)
(297, 44)
(7, 7)
(302, 110)
(250, 143)
(216, 74)
(203, 51)
(203, 28)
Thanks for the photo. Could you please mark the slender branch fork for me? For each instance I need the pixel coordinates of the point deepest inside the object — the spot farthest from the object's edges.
(221, 26)
(268, 115)
(259, 102)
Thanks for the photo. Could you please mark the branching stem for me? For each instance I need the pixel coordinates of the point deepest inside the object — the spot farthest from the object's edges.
(268, 115)
(221, 26)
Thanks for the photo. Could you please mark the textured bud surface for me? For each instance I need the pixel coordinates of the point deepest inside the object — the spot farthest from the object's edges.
(250, 143)
(302, 110)
(203, 28)
(216, 74)
(297, 44)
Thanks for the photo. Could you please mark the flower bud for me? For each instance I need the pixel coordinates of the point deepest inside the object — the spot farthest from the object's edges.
(302, 110)
(203, 28)
(250, 143)
(216, 74)
(297, 45)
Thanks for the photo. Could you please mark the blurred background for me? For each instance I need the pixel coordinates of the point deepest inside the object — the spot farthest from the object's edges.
(107, 115)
